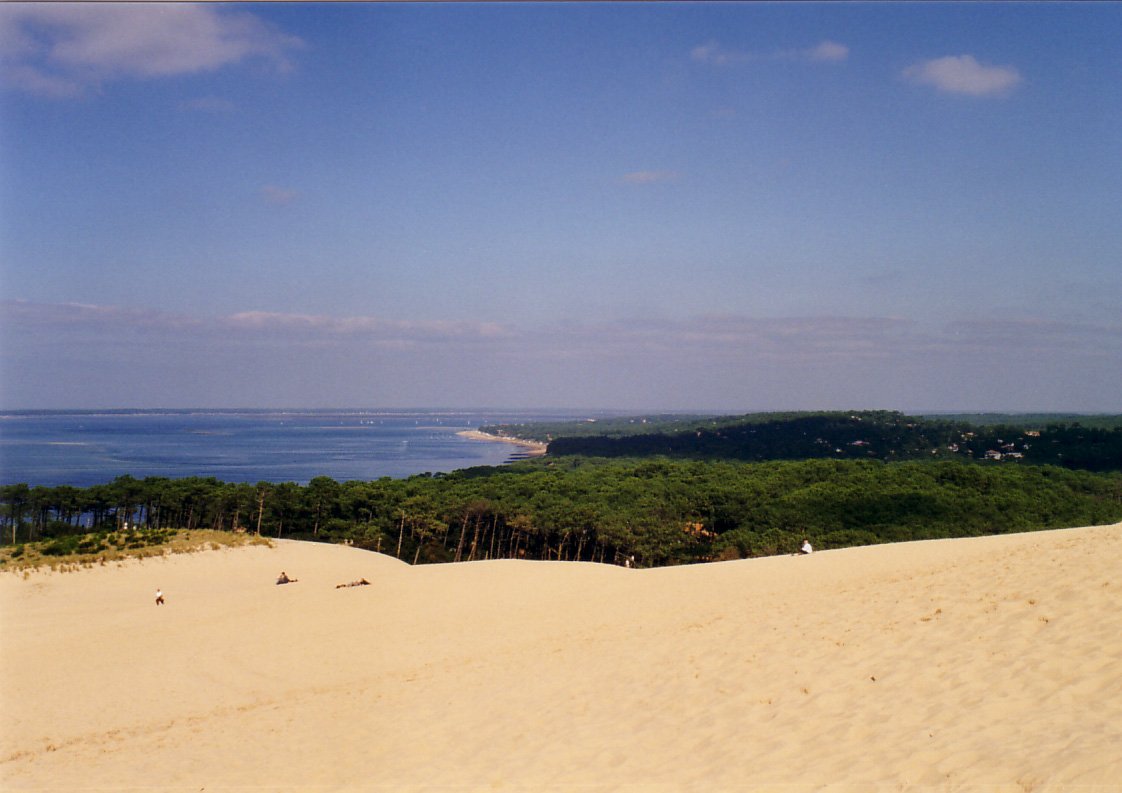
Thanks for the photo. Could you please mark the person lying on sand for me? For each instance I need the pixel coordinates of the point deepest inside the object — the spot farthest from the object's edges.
(284, 579)
(359, 582)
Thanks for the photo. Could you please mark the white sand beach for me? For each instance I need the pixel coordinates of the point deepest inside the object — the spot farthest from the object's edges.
(989, 664)
(529, 448)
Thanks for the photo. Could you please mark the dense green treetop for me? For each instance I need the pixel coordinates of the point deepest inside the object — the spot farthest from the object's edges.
(1105, 421)
(650, 511)
(879, 435)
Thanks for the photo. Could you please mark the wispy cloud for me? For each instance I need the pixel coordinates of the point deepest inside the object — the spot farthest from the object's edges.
(650, 177)
(788, 362)
(1035, 336)
(826, 51)
(963, 74)
(87, 316)
(770, 337)
(736, 340)
(738, 337)
(67, 49)
(208, 104)
(33, 80)
(272, 194)
(370, 328)
(712, 52)
(247, 325)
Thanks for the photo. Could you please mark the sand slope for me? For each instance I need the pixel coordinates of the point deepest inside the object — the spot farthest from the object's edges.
(984, 664)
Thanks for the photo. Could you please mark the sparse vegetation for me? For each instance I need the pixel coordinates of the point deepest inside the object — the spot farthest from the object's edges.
(75, 551)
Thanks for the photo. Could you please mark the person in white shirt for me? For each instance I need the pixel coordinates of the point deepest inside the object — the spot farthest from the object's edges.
(159, 597)
(807, 548)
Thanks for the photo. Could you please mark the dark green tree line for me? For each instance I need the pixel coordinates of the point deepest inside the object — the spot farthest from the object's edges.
(658, 510)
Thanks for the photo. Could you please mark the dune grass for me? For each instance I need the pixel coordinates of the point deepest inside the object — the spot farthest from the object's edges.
(78, 551)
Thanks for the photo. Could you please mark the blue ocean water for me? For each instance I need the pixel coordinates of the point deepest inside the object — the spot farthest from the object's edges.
(88, 448)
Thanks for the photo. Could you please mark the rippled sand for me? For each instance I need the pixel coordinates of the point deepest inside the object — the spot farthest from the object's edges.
(983, 664)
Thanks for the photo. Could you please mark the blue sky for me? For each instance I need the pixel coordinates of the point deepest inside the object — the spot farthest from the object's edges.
(633, 206)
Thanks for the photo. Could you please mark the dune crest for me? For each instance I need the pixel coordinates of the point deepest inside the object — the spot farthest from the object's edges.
(988, 662)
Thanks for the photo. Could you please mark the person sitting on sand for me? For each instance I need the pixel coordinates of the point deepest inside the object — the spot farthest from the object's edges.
(284, 579)
(159, 597)
(806, 548)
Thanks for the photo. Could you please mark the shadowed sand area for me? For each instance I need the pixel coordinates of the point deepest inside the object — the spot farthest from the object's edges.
(988, 664)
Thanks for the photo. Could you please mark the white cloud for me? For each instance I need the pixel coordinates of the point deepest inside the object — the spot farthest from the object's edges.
(64, 49)
(828, 51)
(714, 53)
(962, 74)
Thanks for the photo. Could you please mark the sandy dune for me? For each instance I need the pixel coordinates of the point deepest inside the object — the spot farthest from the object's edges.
(991, 664)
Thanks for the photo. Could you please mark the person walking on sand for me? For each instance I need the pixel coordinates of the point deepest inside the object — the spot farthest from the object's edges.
(159, 597)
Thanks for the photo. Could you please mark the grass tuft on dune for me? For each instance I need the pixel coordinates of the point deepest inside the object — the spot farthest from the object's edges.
(78, 551)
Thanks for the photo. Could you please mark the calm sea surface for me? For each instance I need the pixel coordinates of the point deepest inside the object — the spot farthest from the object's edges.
(82, 449)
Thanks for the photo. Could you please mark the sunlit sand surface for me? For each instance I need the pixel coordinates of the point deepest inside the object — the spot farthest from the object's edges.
(989, 664)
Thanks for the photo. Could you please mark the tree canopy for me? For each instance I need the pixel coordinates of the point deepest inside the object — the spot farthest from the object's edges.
(654, 511)
(862, 435)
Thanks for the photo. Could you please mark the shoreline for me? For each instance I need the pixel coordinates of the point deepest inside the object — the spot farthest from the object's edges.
(532, 448)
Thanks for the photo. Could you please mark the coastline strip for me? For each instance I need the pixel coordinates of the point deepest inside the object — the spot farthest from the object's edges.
(532, 448)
